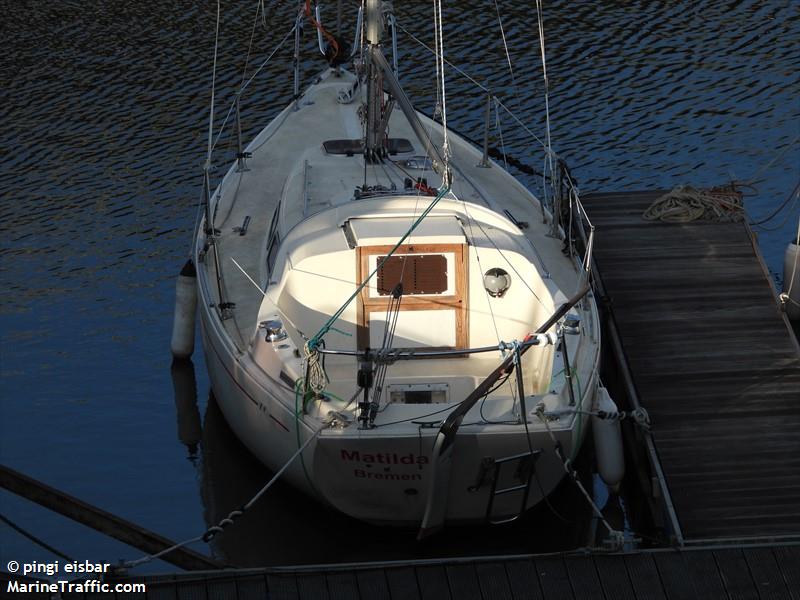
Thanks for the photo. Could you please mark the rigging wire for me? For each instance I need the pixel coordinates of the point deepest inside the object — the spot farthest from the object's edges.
(794, 195)
(248, 82)
(505, 258)
(549, 159)
(213, 91)
(471, 237)
(437, 108)
(775, 159)
(499, 127)
(440, 59)
(453, 66)
(505, 47)
(475, 82)
(259, 7)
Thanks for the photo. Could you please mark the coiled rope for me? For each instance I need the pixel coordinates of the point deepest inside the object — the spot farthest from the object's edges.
(685, 203)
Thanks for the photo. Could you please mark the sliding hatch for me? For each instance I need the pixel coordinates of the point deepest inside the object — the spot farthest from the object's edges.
(419, 291)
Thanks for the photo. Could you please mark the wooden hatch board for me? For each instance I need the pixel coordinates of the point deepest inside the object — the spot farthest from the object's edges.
(457, 301)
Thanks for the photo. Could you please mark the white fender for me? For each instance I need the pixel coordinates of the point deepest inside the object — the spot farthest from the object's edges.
(791, 280)
(608, 440)
(182, 344)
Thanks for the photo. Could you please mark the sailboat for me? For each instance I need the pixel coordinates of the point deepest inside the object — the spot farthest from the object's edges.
(389, 317)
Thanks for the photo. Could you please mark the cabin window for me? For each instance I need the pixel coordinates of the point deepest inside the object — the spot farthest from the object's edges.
(273, 241)
(272, 253)
(420, 274)
(421, 393)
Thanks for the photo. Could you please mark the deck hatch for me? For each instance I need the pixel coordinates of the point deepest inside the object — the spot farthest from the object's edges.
(420, 273)
(428, 317)
(353, 147)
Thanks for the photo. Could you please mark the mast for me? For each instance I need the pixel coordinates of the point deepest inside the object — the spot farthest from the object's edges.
(373, 144)
(379, 72)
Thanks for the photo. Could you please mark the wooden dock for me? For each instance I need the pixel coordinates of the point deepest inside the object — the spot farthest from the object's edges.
(704, 574)
(712, 360)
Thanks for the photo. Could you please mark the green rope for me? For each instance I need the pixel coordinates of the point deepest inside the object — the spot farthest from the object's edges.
(298, 387)
(314, 341)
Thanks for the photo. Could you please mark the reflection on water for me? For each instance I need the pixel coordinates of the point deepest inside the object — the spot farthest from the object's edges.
(184, 385)
(104, 112)
(286, 527)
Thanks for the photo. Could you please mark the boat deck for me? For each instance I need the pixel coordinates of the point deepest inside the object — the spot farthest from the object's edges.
(713, 361)
(663, 574)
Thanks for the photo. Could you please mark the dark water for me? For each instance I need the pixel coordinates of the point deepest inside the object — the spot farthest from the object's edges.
(104, 122)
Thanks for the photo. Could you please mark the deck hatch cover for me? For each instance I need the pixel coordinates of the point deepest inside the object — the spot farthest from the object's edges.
(420, 273)
(352, 147)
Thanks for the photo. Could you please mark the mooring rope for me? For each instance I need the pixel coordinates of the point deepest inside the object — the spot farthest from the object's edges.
(685, 203)
(231, 517)
(617, 538)
(786, 297)
(34, 539)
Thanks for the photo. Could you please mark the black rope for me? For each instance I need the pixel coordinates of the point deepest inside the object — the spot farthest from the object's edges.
(774, 213)
(35, 539)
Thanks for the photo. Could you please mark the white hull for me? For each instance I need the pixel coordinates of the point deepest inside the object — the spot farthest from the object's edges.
(390, 489)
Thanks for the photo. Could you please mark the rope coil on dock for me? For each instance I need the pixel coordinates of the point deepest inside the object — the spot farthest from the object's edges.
(684, 204)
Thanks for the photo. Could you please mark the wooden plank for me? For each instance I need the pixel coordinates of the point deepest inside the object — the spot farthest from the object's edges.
(433, 583)
(583, 577)
(672, 571)
(704, 575)
(553, 578)
(493, 580)
(191, 590)
(523, 580)
(163, 590)
(788, 560)
(284, 586)
(372, 584)
(342, 585)
(644, 577)
(403, 583)
(735, 575)
(253, 587)
(765, 573)
(614, 577)
(311, 586)
(463, 581)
